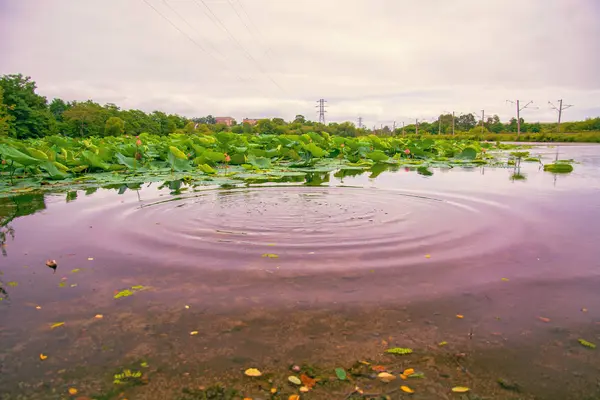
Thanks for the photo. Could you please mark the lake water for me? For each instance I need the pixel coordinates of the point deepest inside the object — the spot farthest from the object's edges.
(328, 274)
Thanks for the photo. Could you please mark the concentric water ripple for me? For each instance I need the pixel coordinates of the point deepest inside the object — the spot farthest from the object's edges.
(317, 228)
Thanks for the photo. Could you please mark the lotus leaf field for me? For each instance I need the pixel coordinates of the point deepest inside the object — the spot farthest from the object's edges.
(56, 162)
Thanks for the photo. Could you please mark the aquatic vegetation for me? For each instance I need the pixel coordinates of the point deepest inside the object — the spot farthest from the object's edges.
(399, 350)
(559, 168)
(223, 157)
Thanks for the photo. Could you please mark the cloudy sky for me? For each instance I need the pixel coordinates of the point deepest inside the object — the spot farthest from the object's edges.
(384, 60)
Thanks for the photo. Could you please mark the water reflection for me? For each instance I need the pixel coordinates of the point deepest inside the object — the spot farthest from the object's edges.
(14, 207)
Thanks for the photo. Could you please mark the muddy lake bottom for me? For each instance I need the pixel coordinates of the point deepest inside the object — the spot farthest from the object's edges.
(490, 281)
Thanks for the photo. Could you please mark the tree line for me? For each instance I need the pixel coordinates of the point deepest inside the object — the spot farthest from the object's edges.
(26, 114)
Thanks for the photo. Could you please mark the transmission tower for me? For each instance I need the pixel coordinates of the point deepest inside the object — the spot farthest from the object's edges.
(359, 122)
(321, 106)
(519, 109)
(560, 109)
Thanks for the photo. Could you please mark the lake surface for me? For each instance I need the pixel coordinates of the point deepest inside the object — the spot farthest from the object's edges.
(325, 274)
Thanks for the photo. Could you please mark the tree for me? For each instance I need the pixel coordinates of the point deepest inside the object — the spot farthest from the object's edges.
(114, 126)
(57, 108)
(5, 118)
(494, 125)
(29, 112)
(465, 122)
(300, 119)
(86, 118)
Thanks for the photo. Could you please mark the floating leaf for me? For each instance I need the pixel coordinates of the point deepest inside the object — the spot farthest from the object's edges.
(585, 343)
(427, 255)
(341, 374)
(123, 293)
(408, 371)
(460, 316)
(460, 389)
(90, 258)
(72, 391)
(38, 307)
(252, 372)
(99, 316)
(43, 356)
(304, 389)
(273, 390)
(378, 368)
(56, 325)
(544, 319)
(192, 333)
(138, 287)
(399, 350)
(270, 255)
(442, 344)
(76, 270)
(417, 375)
(505, 279)
(404, 377)
(294, 397)
(295, 380)
(13, 284)
(406, 389)
(386, 377)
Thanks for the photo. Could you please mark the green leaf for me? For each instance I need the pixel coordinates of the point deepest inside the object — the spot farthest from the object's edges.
(558, 168)
(260, 162)
(399, 350)
(315, 150)
(52, 170)
(270, 255)
(341, 374)
(35, 153)
(468, 153)
(587, 344)
(94, 160)
(10, 153)
(129, 162)
(423, 170)
(123, 293)
(207, 169)
(377, 156)
(177, 153)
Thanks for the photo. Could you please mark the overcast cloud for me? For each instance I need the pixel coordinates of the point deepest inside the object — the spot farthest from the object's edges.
(384, 60)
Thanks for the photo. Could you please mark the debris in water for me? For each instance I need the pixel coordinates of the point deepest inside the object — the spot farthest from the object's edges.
(253, 372)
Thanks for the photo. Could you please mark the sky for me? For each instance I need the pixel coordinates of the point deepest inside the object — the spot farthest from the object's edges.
(382, 60)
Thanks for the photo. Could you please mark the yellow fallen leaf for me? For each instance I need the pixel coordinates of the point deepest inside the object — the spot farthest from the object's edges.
(406, 389)
(427, 255)
(38, 307)
(56, 325)
(460, 389)
(584, 310)
(252, 372)
(460, 316)
(294, 397)
(42, 356)
(403, 376)
(193, 333)
(247, 398)
(385, 377)
(90, 258)
(187, 307)
(544, 319)
(273, 390)
(99, 316)
(358, 390)
(408, 372)
(72, 391)
(304, 389)
(504, 279)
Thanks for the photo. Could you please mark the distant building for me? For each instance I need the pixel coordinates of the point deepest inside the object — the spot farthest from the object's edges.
(225, 120)
(250, 121)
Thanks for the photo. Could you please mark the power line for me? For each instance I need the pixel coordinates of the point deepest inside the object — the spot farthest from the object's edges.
(321, 105)
(249, 56)
(198, 45)
(191, 27)
(239, 2)
(560, 109)
(245, 24)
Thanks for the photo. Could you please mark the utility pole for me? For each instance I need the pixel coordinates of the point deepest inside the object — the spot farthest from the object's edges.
(394, 130)
(359, 122)
(519, 109)
(482, 119)
(440, 125)
(321, 106)
(560, 109)
(452, 123)
(417, 126)
(403, 133)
